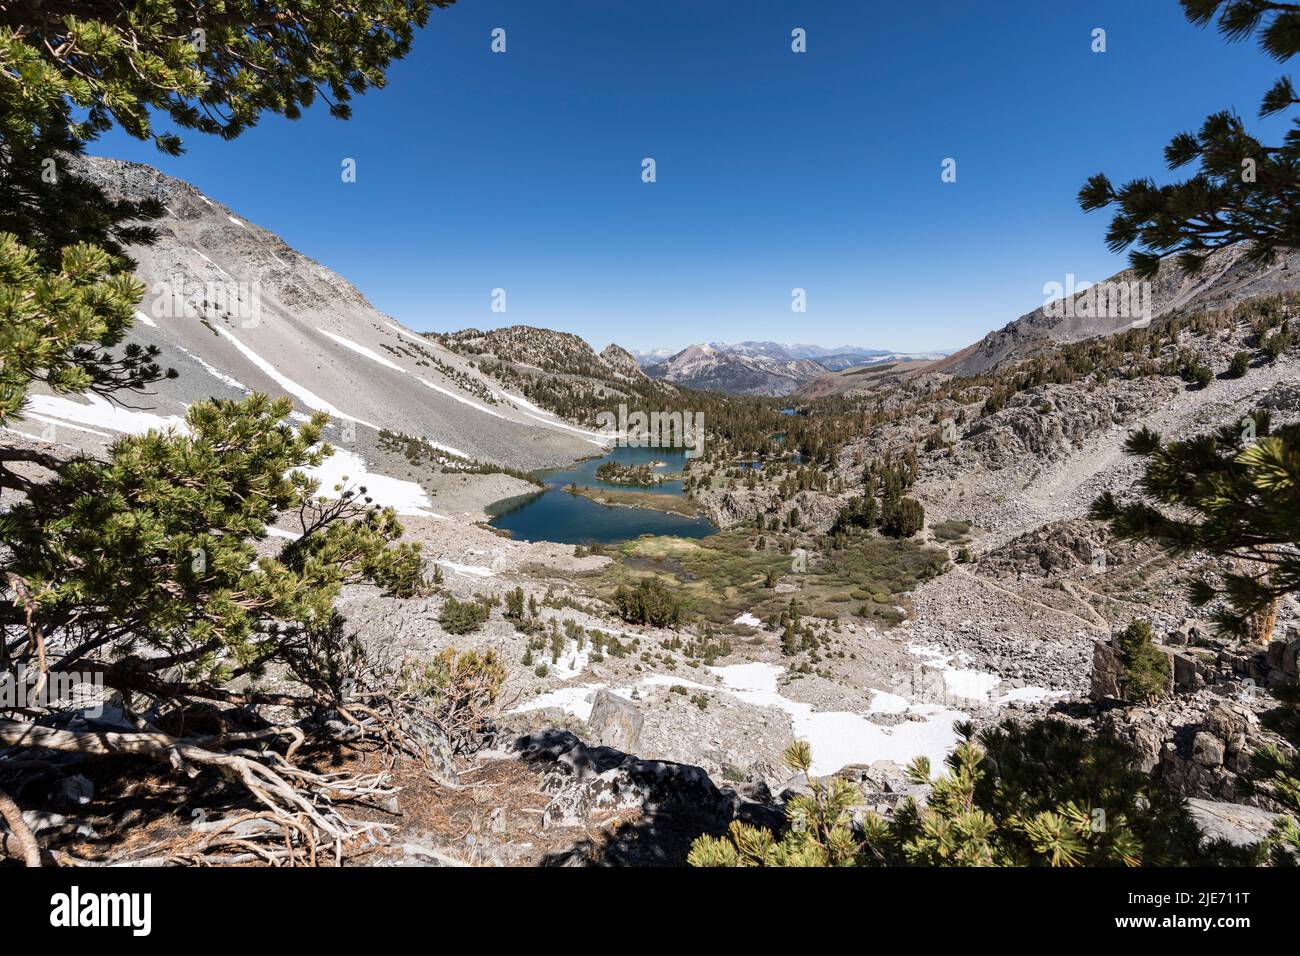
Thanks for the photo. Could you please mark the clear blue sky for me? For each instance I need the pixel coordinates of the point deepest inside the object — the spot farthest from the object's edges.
(775, 170)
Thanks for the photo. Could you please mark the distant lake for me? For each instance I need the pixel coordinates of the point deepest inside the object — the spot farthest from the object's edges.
(796, 459)
(555, 515)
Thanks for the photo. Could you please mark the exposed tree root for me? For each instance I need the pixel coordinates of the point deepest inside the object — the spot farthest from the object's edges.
(299, 816)
(19, 842)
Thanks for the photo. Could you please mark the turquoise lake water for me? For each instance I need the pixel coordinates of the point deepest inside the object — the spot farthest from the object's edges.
(552, 514)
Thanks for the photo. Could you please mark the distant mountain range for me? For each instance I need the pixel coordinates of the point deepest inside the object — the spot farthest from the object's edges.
(236, 310)
(762, 368)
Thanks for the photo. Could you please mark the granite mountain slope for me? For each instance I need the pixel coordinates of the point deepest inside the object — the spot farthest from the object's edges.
(234, 309)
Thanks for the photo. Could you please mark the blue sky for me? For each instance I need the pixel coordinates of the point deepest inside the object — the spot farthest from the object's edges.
(775, 170)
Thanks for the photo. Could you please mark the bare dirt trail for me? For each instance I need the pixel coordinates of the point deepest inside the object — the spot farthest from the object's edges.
(1097, 624)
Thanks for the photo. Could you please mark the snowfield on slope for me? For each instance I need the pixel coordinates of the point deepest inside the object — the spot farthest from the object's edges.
(345, 468)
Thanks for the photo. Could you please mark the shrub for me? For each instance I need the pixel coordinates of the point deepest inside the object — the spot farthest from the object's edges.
(1240, 365)
(650, 602)
(902, 517)
(951, 530)
(515, 605)
(1044, 793)
(1144, 670)
(462, 617)
(463, 689)
(1198, 374)
(1276, 343)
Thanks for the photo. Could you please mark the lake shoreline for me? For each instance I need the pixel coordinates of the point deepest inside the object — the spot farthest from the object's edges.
(577, 507)
(669, 504)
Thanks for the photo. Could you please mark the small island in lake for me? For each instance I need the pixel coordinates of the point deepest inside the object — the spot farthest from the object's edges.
(642, 476)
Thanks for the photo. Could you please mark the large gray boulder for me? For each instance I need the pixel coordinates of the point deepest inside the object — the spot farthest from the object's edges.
(616, 722)
(583, 781)
(1237, 823)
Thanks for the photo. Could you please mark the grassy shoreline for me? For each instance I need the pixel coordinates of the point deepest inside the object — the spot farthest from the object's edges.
(671, 504)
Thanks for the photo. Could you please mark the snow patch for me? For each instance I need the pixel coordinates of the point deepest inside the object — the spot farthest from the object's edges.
(572, 700)
(462, 399)
(410, 335)
(404, 497)
(471, 569)
(883, 702)
(27, 435)
(596, 438)
(214, 265)
(840, 738)
(976, 685)
(217, 373)
(141, 317)
(572, 662)
(361, 350)
(62, 424)
(1033, 695)
(308, 398)
(100, 413)
(748, 620)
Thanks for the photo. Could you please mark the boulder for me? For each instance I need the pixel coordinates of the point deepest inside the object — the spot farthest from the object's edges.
(1186, 672)
(1290, 663)
(76, 790)
(1239, 824)
(583, 781)
(1105, 671)
(616, 722)
(1233, 725)
(1207, 750)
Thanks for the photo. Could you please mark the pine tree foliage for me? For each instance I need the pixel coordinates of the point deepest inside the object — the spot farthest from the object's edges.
(1233, 493)
(1045, 793)
(209, 67)
(820, 828)
(54, 325)
(1243, 191)
(1144, 670)
(1275, 774)
(902, 517)
(70, 71)
(649, 602)
(153, 550)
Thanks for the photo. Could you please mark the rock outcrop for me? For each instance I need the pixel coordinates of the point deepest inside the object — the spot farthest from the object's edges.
(584, 780)
(616, 722)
